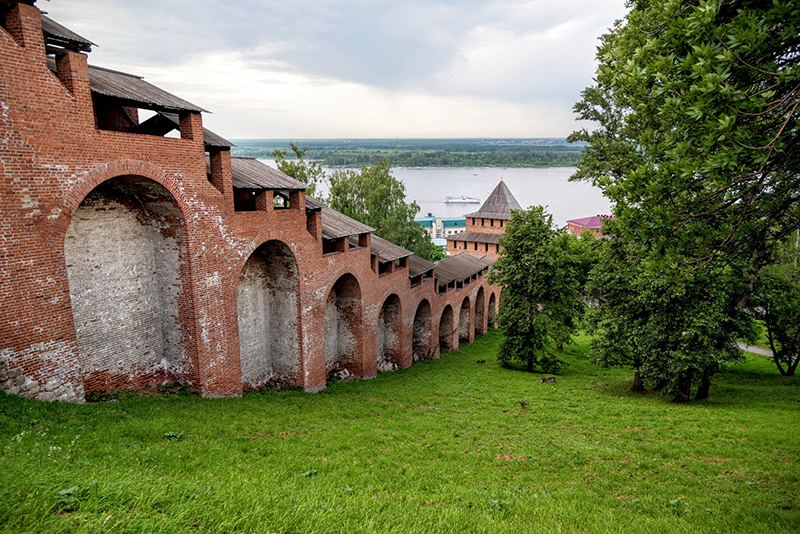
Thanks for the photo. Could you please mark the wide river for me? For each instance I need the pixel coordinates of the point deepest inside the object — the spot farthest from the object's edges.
(548, 187)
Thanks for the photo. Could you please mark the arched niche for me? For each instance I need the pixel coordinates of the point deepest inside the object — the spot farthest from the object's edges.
(480, 316)
(463, 321)
(343, 326)
(125, 250)
(492, 312)
(446, 329)
(268, 317)
(389, 334)
(422, 347)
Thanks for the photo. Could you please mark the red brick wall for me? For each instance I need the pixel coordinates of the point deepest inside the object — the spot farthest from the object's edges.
(472, 248)
(54, 156)
(489, 226)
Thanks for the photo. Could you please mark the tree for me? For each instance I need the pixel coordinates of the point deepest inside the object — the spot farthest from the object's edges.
(302, 170)
(697, 147)
(541, 299)
(378, 199)
(583, 253)
(675, 333)
(698, 141)
(777, 303)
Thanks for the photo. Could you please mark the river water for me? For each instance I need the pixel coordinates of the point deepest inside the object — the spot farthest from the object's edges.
(548, 187)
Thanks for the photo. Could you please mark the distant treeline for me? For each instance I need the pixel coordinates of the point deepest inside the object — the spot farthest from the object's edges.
(425, 152)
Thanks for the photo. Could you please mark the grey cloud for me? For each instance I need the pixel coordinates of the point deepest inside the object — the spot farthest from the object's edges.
(388, 44)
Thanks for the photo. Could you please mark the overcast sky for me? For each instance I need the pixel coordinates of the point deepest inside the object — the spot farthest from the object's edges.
(356, 68)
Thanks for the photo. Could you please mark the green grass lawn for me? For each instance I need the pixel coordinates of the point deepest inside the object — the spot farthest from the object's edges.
(444, 446)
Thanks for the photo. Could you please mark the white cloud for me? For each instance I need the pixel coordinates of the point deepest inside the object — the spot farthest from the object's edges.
(425, 68)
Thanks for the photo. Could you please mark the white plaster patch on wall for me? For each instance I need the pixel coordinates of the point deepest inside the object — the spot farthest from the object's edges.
(66, 182)
(4, 113)
(28, 202)
(204, 329)
(212, 280)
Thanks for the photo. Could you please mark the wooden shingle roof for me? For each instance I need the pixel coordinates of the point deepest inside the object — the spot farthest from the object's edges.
(335, 224)
(418, 266)
(459, 267)
(132, 90)
(249, 173)
(61, 37)
(386, 250)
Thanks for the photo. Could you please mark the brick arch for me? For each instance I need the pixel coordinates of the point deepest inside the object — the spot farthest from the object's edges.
(126, 257)
(463, 320)
(480, 306)
(263, 238)
(422, 347)
(447, 329)
(342, 272)
(115, 169)
(491, 312)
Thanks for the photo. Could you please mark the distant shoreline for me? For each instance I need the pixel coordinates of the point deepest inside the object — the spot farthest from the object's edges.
(424, 153)
(458, 167)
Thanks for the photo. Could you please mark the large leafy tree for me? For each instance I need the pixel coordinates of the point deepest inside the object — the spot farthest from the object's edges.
(378, 199)
(541, 301)
(676, 333)
(697, 146)
(697, 103)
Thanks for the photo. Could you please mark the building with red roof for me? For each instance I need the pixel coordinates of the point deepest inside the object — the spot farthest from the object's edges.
(592, 224)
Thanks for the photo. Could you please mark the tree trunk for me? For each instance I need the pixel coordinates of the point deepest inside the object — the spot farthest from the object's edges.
(705, 381)
(638, 383)
(776, 356)
(684, 391)
(702, 389)
(792, 366)
(529, 365)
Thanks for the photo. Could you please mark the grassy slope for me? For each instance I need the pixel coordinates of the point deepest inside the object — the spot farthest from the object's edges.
(441, 447)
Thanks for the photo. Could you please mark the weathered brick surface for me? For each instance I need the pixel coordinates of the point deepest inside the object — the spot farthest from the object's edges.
(122, 265)
(483, 226)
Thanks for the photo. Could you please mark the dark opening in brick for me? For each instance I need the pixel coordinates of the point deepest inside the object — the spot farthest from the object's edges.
(422, 333)
(446, 329)
(388, 334)
(463, 321)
